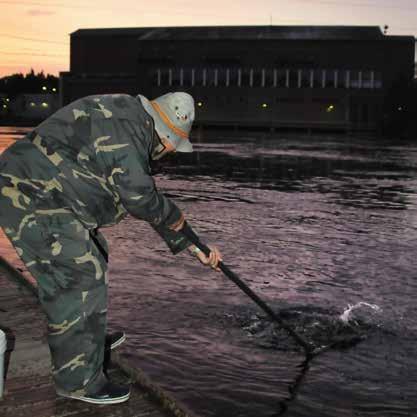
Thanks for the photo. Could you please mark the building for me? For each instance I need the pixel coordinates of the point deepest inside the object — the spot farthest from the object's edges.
(331, 77)
(33, 107)
(4, 106)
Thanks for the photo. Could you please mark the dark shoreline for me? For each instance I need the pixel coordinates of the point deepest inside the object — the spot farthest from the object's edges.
(212, 131)
(20, 123)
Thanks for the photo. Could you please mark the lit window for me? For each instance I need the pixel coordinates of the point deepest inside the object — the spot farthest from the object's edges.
(45, 104)
(44, 88)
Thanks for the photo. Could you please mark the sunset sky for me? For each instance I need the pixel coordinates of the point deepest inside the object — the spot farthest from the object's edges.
(35, 33)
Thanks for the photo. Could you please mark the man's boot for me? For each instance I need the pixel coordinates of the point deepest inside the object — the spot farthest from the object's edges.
(101, 391)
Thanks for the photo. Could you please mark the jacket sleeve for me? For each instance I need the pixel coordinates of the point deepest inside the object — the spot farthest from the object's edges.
(142, 200)
(129, 176)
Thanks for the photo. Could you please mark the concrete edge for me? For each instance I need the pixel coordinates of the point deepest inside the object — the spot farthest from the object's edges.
(167, 402)
(176, 407)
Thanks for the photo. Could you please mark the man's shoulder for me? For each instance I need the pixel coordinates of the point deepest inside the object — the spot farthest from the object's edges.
(103, 106)
(121, 106)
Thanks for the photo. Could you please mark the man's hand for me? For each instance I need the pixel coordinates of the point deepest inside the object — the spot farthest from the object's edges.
(212, 260)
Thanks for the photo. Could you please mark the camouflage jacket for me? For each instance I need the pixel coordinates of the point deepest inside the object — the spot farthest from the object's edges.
(100, 146)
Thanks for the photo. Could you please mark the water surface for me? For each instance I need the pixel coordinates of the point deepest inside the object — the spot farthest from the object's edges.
(312, 223)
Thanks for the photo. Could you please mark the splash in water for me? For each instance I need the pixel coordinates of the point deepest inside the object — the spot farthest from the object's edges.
(346, 315)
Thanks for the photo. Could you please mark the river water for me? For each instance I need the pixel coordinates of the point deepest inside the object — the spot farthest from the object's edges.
(313, 224)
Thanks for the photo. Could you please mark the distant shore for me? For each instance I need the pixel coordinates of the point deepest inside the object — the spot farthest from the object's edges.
(20, 122)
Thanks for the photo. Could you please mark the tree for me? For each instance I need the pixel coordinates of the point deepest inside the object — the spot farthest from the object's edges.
(18, 83)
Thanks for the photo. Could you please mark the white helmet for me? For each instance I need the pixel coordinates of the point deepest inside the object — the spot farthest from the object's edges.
(173, 115)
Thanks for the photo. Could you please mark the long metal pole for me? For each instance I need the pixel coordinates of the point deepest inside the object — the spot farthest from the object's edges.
(192, 237)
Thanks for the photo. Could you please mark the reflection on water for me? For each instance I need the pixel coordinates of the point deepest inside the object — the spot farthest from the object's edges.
(310, 223)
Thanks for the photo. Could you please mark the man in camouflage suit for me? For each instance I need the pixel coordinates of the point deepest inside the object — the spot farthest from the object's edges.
(87, 166)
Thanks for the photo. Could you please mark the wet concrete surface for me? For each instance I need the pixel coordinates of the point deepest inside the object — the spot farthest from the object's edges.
(29, 389)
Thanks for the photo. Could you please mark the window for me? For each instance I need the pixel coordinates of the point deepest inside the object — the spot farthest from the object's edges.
(304, 78)
(155, 77)
(181, 77)
(323, 78)
(233, 76)
(367, 79)
(199, 76)
(311, 78)
(281, 77)
(170, 76)
(245, 77)
(347, 79)
(378, 80)
(329, 78)
(257, 77)
(290, 78)
(263, 77)
(336, 78)
(204, 82)
(275, 77)
(316, 78)
(175, 77)
(210, 77)
(355, 79)
(267, 77)
(192, 77)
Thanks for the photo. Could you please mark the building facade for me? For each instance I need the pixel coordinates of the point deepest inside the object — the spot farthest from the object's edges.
(329, 77)
(33, 106)
(4, 106)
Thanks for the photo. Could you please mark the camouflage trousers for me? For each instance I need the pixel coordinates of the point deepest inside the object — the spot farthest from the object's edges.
(71, 273)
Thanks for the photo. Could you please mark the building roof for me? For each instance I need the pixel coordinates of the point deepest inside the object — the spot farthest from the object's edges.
(241, 32)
